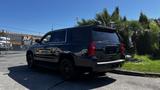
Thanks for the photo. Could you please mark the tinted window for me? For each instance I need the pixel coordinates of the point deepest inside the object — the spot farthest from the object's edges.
(80, 35)
(46, 39)
(110, 37)
(58, 36)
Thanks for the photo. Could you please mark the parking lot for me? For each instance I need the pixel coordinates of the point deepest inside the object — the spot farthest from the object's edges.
(14, 75)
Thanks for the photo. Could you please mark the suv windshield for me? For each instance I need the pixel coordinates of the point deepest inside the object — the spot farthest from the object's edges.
(108, 37)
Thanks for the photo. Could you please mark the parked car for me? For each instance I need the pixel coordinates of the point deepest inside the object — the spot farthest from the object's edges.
(93, 49)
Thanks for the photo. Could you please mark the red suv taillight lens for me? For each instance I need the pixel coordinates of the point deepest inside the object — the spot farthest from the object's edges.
(91, 49)
(122, 49)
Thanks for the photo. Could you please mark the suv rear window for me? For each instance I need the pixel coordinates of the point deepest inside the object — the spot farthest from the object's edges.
(108, 37)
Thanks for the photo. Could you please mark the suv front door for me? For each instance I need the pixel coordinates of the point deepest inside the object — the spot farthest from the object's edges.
(57, 41)
(42, 52)
(51, 46)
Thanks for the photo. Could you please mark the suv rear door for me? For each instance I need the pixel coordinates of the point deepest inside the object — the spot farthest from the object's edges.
(107, 44)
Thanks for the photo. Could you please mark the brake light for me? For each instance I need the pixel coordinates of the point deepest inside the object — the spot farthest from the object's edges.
(91, 49)
(122, 49)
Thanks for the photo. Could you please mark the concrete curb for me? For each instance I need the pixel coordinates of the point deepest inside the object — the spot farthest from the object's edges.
(135, 73)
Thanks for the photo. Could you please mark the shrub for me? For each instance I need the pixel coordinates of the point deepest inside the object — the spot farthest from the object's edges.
(144, 43)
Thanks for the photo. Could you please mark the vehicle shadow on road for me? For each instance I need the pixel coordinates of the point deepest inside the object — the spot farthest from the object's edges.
(45, 79)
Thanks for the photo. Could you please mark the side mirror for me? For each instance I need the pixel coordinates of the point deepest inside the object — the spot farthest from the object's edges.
(37, 40)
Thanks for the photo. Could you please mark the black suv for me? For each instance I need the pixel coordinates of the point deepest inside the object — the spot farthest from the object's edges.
(71, 50)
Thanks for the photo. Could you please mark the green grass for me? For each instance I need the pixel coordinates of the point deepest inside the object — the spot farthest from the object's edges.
(146, 64)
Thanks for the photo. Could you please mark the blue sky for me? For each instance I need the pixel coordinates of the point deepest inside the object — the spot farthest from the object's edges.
(33, 16)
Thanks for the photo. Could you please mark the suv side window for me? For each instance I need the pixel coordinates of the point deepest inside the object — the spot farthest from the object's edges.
(58, 36)
(46, 39)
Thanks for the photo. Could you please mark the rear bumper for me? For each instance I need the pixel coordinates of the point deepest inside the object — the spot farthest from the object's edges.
(107, 66)
(99, 66)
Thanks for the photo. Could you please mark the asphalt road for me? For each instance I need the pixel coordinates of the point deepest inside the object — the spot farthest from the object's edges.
(14, 75)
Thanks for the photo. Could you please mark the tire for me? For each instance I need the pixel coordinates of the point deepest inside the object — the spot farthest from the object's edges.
(67, 69)
(30, 60)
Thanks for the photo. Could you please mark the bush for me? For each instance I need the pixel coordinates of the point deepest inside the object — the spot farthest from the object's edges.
(147, 41)
(155, 38)
(143, 43)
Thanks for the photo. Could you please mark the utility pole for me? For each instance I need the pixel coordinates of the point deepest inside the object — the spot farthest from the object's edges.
(39, 33)
(77, 19)
(52, 28)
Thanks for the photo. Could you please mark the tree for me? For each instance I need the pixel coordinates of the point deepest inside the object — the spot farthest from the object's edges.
(103, 18)
(143, 19)
(124, 19)
(135, 26)
(144, 32)
(115, 15)
(157, 21)
(148, 40)
(154, 26)
(155, 30)
(87, 22)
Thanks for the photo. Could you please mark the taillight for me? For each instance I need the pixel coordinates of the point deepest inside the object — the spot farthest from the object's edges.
(91, 49)
(122, 49)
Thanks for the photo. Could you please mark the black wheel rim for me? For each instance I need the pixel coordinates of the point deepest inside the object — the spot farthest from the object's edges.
(67, 69)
